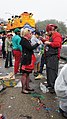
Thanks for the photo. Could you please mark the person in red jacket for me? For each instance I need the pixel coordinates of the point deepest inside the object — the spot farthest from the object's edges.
(52, 54)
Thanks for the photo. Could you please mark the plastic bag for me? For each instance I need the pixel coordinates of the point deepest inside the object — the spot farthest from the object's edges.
(43, 88)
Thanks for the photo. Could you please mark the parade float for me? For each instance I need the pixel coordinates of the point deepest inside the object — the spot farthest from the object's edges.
(24, 20)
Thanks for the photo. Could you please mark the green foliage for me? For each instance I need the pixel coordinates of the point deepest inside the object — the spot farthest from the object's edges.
(41, 25)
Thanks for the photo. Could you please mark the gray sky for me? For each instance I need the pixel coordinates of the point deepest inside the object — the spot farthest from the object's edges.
(41, 9)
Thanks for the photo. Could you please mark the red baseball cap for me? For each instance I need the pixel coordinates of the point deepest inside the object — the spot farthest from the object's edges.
(50, 27)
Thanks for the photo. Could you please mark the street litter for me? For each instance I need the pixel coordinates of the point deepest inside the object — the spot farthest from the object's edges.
(2, 87)
(48, 109)
(9, 106)
(40, 105)
(9, 76)
(18, 85)
(43, 88)
(52, 116)
(27, 117)
(8, 80)
(36, 95)
(57, 110)
(12, 97)
(45, 82)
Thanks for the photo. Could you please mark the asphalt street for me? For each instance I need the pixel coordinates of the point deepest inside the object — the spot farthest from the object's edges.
(37, 105)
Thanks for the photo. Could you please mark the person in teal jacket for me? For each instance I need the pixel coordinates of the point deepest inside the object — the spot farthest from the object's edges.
(16, 49)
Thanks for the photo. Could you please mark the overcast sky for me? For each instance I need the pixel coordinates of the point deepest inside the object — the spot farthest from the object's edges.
(41, 9)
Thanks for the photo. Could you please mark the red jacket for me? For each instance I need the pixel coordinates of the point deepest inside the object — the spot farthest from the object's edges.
(57, 42)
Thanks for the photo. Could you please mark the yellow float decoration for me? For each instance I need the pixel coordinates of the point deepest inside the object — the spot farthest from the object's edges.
(25, 19)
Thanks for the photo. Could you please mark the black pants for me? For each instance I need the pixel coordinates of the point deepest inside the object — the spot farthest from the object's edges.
(51, 69)
(4, 54)
(8, 61)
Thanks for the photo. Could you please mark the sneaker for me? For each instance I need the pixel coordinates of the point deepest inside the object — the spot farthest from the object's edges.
(40, 76)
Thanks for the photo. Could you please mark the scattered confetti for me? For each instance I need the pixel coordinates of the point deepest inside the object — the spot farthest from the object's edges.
(48, 109)
(9, 106)
(52, 116)
(58, 111)
(28, 117)
(12, 97)
(36, 95)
